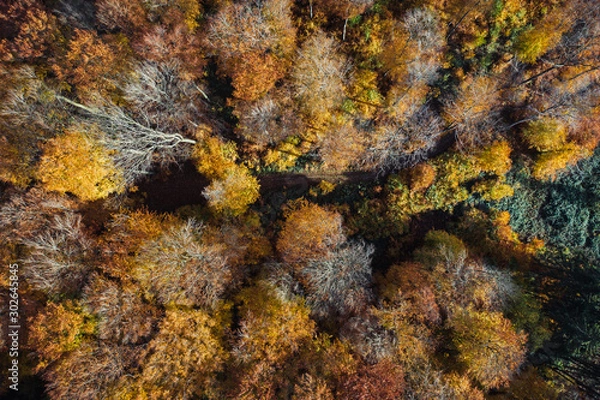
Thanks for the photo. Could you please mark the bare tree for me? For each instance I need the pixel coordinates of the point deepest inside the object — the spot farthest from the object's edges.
(159, 94)
(181, 267)
(369, 338)
(339, 282)
(258, 25)
(319, 75)
(268, 120)
(123, 315)
(475, 113)
(426, 39)
(28, 214)
(136, 145)
(399, 143)
(57, 261)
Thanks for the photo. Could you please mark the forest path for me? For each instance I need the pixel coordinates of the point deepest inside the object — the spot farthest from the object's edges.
(282, 180)
(184, 185)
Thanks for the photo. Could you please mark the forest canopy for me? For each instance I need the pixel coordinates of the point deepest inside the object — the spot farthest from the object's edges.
(300, 199)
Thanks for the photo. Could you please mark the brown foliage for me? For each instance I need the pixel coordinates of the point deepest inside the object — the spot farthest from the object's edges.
(172, 44)
(30, 29)
(93, 64)
(89, 372)
(123, 315)
(381, 381)
(308, 232)
(341, 146)
(258, 36)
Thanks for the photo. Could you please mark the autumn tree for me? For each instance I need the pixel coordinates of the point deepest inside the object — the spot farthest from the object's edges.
(254, 42)
(28, 214)
(384, 381)
(58, 329)
(233, 188)
(181, 267)
(160, 94)
(174, 41)
(269, 119)
(319, 76)
(28, 115)
(119, 14)
(342, 145)
(93, 64)
(411, 51)
(76, 163)
(488, 346)
(135, 146)
(234, 193)
(308, 232)
(345, 9)
(368, 338)
(310, 388)
(459, 281)
(90, 371)
(182, 360)
(403, 141)
(272, 329)
(544, 35)
(30, 32)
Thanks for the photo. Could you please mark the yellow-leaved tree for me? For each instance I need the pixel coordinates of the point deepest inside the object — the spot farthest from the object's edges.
(487, 345)
(273, 330)
(233, 188)
(78, 164)
(183, 359)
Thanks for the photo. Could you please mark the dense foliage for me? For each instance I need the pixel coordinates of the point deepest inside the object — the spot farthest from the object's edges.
(387, 199)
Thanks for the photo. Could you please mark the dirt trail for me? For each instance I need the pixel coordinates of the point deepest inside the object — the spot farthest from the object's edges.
(184, 186)
(279, 181)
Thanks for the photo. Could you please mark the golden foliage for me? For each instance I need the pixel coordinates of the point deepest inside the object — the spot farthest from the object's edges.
(76, 163)
(488, 346)
(58, 329)
(233, 188)
(273, 329)
(215, 159)
(545, 135)
(549, 163)
(182, 360)
(536, 41)
(422, 177)
(493, 189)
(495, 158)
(233, 194)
